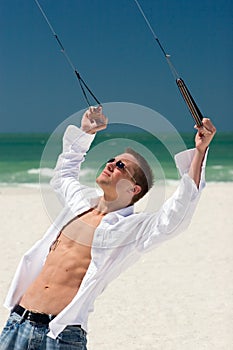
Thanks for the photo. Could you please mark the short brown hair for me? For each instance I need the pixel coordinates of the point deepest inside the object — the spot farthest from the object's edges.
(143, 174)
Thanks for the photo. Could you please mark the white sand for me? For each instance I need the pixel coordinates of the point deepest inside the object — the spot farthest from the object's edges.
(178, 297)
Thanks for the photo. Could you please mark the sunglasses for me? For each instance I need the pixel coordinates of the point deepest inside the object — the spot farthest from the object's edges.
(121, 166)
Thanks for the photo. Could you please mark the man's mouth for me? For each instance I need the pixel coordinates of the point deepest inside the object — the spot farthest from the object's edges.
(104, 172)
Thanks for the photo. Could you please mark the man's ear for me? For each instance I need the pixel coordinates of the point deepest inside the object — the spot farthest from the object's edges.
(136, 189)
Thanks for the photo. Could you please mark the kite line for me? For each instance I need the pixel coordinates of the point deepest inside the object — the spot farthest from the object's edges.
(192, 106)
(83, 85)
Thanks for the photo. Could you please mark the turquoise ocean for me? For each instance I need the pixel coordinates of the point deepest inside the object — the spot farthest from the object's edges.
(22, 159)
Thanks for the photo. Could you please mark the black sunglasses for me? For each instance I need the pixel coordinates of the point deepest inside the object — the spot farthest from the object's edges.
(120, 165)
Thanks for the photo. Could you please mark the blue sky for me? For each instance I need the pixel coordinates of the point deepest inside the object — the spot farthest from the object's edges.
(111, 46)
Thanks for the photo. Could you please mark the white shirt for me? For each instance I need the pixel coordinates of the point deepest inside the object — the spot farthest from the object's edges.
(119, 240)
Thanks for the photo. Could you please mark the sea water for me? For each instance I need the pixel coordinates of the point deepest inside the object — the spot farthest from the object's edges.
(25, 159)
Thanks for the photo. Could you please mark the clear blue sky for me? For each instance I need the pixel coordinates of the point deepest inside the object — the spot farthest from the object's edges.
(111, 46)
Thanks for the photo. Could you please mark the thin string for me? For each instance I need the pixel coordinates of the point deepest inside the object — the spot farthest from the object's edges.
(82, 83)
(167, 56)
(172, 68)
(191, 104)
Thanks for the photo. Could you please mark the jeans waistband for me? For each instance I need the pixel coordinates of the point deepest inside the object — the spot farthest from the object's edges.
(36, 317)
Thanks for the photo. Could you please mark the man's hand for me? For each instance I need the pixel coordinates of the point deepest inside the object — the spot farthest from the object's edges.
(203, 138)
(204, 135)
(93, 120)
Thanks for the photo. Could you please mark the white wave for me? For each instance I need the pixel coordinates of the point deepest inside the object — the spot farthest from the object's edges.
(48, 172)
(88, 171)
(171, 182)
(30, 185)
(216, 167)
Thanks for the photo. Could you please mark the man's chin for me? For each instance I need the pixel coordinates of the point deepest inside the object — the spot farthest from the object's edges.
(102, 181)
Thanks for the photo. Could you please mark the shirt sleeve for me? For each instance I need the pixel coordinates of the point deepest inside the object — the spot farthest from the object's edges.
(183, 162)
(65, 181)
(176, 213)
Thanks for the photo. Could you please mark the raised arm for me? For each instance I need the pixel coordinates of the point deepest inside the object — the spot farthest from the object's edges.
(76, 142)
(176, 213)
(203, 138)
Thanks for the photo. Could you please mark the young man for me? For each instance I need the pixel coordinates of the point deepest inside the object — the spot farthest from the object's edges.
(94, 239)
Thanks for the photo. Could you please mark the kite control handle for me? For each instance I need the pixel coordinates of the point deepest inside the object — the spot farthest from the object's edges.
(194, 110)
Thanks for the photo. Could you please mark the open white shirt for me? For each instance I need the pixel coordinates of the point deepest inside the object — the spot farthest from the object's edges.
(119, 240)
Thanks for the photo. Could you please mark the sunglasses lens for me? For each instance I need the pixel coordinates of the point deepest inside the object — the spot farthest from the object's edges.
(120, 164)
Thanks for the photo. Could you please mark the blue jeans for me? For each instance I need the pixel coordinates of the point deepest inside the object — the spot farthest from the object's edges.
(20, 334)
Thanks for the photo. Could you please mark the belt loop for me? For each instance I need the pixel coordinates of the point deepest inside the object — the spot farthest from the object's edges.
(23, 316)
(24, 313)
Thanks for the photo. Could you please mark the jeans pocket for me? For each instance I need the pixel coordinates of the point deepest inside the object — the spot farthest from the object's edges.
(13, 320)
(9, 332)
(72, 338)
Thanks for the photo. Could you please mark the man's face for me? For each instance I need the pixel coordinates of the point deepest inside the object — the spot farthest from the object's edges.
(118, 175)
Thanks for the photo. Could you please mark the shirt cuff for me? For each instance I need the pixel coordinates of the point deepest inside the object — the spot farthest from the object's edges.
(183, 162)
(74, 137)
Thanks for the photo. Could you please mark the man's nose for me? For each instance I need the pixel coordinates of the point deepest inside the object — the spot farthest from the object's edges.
(111, 166)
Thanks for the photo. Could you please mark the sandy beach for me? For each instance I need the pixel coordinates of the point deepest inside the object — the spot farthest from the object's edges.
(177, 297)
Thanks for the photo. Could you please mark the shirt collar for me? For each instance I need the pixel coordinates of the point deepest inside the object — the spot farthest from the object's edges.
(114, 216)
(125, 211)
(120, 212)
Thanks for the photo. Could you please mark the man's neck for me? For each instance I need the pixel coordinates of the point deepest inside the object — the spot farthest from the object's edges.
(105, 206)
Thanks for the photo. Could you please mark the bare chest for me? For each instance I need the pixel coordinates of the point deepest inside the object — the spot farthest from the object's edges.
(81, 229)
